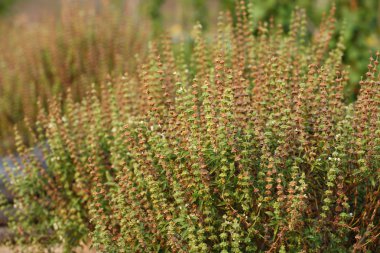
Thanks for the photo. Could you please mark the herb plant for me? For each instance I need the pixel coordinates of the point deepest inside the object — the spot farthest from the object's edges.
(246, 147)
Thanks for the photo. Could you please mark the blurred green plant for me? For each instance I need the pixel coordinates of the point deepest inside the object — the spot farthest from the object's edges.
(5, 4)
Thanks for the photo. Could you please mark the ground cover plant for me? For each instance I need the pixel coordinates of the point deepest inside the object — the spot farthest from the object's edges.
(246, 147)
(78, 45)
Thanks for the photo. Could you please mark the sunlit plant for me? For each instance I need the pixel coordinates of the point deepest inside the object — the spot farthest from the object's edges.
(247, 147)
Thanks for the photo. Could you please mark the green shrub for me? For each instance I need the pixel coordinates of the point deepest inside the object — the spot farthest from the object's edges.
(5, 4)
(247, 148)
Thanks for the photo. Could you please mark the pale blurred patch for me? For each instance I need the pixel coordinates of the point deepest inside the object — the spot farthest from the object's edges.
(176, 31)
(373, 40)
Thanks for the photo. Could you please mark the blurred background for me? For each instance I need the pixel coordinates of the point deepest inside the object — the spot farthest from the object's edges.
(47, 46)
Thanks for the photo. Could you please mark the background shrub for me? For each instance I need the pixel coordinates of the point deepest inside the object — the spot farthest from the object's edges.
(5, 4)
(80, 44)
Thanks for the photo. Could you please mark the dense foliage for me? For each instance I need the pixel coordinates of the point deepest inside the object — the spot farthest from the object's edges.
(5, 4)
(359, 19)
(247, 147)
(89, 39)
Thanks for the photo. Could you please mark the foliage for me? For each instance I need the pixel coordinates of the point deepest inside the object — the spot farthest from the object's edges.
(40, 59)
(249, 147)
(58, 48)
(5, 4)
(359, 19)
